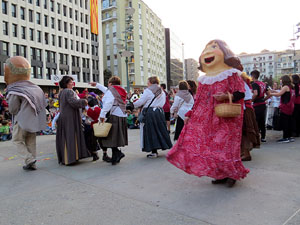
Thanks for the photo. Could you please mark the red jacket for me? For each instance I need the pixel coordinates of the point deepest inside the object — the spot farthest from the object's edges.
(94, 114)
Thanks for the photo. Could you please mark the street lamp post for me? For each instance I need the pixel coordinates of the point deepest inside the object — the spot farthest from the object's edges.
(123, 49)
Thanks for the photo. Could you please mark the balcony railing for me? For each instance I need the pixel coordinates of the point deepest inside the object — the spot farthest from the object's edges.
(113, 5)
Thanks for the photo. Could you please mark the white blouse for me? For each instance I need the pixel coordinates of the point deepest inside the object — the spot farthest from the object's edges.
(147, 97)
(108, 101)
(184, 106)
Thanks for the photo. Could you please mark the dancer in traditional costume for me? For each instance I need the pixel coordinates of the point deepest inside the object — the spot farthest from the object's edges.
(210, 145)
(70, 143)
(250, 136)
(114, 109)
(154, 133)
(183, 103)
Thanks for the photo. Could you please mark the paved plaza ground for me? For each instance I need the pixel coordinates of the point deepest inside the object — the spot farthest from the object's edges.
(142, 191)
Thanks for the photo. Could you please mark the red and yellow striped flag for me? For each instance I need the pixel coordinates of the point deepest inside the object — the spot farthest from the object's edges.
(94, 16)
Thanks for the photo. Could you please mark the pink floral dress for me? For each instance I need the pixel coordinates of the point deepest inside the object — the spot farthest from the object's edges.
(209, 145)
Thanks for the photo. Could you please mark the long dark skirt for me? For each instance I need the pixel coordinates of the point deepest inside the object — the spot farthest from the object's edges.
(296, 120)
(179, 127)
(155, 133)
(250, 137)
(117, 136)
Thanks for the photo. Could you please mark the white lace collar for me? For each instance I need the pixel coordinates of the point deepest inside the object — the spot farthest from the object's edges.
(221, 76)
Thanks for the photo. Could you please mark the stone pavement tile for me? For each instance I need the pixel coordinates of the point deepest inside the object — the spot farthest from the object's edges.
(15, 181)
(294, 219)
(79, 204)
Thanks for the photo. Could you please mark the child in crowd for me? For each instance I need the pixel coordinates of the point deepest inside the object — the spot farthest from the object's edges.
(5, 133)
(132, 121)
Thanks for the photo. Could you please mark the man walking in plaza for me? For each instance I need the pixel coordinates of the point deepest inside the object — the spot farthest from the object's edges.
(27, 104)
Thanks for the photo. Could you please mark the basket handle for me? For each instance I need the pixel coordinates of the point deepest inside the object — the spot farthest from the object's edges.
(230, 97)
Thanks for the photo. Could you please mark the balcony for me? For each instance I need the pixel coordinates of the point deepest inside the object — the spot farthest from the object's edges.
(110, 7)
(108, 19)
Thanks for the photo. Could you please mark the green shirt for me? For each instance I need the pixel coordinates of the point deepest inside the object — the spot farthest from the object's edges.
(4, 129)
(130, 119)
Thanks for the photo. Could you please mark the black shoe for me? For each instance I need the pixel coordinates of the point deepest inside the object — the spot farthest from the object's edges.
(221, 181)
(121, 155)
(95, 156)
(106, 158)
(30, 166)
(263, 140)
(230, 182)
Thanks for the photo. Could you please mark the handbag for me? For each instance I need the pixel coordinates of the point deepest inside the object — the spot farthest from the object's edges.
(228, 110)
(101, 129)
(142, 114)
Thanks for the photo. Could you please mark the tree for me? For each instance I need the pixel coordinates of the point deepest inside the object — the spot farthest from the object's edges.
(107, 74)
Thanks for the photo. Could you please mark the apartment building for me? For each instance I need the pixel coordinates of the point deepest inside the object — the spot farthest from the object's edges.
(273, 64)
(55, 36)
(191, 69)
(140, 33)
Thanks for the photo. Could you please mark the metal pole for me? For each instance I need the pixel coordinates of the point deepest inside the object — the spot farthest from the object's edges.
(127, 76)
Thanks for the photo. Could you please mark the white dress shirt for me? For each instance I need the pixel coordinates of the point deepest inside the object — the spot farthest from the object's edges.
(182, 106)
(108, 101)
(147, 97)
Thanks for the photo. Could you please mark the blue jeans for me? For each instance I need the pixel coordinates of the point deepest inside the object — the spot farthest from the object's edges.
(5, 137)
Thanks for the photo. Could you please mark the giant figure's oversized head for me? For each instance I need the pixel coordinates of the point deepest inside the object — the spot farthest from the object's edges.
(217, 57)
(17, 68)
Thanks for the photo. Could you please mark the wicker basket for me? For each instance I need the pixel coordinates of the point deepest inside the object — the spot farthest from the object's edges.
(101, 129)
(228, 110)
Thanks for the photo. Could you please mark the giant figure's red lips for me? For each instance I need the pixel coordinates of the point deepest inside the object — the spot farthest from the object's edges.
(209, 59)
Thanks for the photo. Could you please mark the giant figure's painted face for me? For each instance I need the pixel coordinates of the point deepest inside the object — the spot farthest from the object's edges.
(212, 57)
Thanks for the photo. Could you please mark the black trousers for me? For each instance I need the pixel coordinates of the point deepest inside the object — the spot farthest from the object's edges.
(179, 126)
(260, 113)
(296, 119)
(286, 124)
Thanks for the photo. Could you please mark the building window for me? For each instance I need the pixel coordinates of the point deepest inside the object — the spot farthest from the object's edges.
(39, 54)
(46, 21)
(66, 43)
(86, 4)
(52, 5)
(37, 2)
(30, 15)
(4, 48)
(15, 30)
(46, 38)
(87, 48)
(77, 46)
(5, 28)
(81, 17)
(23, 32)
(38, 18)
(39, 72)
(58, 8)
(70, 12)
(82, 47)
(59, 41)
(4, 7)
(39, 36)
(76, 30)
(23, 51)
(31, 34)
(65, 27)
(53, 40)
(14, 10)
(82, 32)
(52, 23)
(15, 49)
(22, 13)
(76, 15)
(45, 4)
(59, 24)
(71, 44)
(71, 28)
(65, 10)
(87, 34)
(86, 19)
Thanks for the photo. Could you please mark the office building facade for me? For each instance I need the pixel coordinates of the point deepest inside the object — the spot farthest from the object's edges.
(55, 36)
(174, 59)
(191, 69)
(142, 34)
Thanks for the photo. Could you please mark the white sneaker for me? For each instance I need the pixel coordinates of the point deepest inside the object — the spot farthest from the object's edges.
(152, 155)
